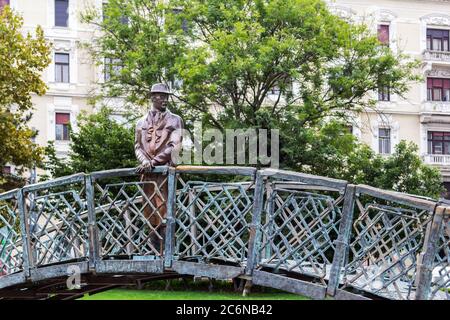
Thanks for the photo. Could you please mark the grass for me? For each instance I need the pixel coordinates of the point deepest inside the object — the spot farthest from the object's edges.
(132, 294)
(191, 290)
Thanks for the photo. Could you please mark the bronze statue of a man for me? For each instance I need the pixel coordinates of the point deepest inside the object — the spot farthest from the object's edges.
(158, 137)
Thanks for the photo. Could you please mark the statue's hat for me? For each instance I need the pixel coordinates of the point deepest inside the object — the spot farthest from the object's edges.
(160, 87)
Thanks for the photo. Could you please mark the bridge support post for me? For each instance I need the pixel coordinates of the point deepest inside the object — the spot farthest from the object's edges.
(171, 223)
(342, 242)
(25, 231)
(269, 214)
(94, 242)
(427, 256)
(254, 240)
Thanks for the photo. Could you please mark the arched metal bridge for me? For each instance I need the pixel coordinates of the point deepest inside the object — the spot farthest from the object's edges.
(310, 235)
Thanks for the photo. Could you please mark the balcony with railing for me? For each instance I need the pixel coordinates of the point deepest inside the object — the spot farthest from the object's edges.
(437, 159)
(438, 56)
(436, 106)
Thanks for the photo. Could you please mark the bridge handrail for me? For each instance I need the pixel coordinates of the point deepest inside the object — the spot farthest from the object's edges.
(307, 179)
(74, 178)
(404, 198)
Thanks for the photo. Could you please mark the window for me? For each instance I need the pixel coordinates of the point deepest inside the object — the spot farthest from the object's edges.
(438, 89)
(105, 10)
(384, 93)
(62, 67)
(275, 90)
(437, 40)
(438, 142)
(184, 25)
(61, 13)
(282, 86)
(175, 83)
(3, 3)
(383, 34)
(62, 126)
(124, 20)
(384, 140)
(446, 193)
(112, 68)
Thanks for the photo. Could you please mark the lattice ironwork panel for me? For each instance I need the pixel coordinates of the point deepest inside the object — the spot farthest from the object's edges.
(11, 260)
(57, 225)
(440, 286)
(386, 241)
(299, 231)
(212, 220)
(131, 217)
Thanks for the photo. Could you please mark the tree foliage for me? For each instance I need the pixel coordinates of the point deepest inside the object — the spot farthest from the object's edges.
(138, 50)
(232, 54)
(22, 60)
(101, 143)
(405, 172)
(274, 64)
(243, 49)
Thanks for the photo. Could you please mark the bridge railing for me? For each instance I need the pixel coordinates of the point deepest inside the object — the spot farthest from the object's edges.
(306, 234)
(56, 226)
(10, 234)
(440, 271)
(128, 213)
(212, 219)
(299, 225)
(383, 242)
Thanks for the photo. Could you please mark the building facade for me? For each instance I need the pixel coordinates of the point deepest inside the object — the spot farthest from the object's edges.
(71, 75)
(419, 28)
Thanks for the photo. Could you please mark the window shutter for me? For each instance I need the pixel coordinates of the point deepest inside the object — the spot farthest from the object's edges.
(429, 83)
(62, 118)
(383, 33)
(437, 83)
(437, 135)
(446, 83)
(61, 13)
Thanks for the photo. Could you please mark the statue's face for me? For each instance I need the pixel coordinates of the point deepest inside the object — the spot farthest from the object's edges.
(160, 100)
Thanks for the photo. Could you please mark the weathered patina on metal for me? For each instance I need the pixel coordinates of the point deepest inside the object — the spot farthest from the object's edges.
(305, 234)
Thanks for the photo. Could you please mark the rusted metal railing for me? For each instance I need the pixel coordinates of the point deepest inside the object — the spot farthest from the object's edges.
(306, 234)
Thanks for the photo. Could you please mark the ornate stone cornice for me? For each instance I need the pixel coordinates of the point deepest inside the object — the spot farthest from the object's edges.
(437, 19)
(386, 15)
(341, 11)
(438, 73)
(62, 45)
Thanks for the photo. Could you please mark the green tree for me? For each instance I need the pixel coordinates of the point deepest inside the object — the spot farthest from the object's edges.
(274, 64)
(245, 49)
(404, 171)
(101, 143)
(22, 60)
(233, 54)
(322, 68)
(136, 47)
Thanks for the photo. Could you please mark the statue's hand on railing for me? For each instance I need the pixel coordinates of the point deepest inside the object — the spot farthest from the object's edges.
(145, 166)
